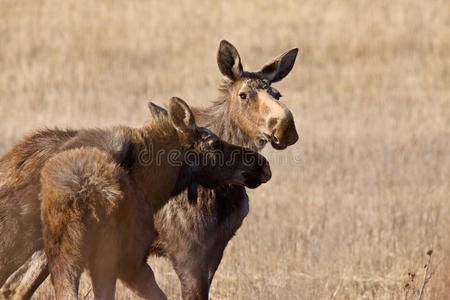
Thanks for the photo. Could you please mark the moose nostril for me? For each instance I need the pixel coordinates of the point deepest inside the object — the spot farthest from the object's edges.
(274, 138)
(272, 123)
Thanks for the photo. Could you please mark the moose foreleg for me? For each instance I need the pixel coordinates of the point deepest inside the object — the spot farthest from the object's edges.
(143, 282)
(194, 281)
(24, 282)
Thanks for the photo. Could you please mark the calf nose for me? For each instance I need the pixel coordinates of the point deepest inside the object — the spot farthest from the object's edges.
(266, 173)
(292, 134)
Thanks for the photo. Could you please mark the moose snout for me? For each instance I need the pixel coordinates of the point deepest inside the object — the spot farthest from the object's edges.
(284, 135)
(266, 173)
(256, 173)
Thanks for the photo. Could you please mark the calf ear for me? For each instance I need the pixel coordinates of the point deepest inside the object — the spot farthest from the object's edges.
(280, 66)
(156, 110)
(181, 116)
(229, 61)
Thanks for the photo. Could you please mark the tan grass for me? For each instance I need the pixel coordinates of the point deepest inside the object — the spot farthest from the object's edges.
(370, 94)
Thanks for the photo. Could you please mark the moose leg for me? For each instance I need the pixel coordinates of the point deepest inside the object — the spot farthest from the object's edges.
(65, 272)
(194, 280)
(103, 283)
(214, 256)
(143, 282)
(23, 283)
(65, 281)
(214, 259)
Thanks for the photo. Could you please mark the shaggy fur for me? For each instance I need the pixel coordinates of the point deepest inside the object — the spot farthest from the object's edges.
(97, 205)
(20, 226)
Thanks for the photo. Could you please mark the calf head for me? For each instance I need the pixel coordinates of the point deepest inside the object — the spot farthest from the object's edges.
(215, 162)
(210, 161)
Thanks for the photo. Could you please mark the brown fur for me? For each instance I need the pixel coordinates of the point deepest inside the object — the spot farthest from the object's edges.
(97, 214)
(20, 169)
(82, 207)
(194, 234)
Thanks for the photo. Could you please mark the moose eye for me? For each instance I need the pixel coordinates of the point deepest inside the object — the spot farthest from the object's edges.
(275, 93)
(216, 145)
(204, 135)
(243, 96)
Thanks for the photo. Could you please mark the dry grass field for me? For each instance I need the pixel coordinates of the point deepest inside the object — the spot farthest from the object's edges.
(352, 208)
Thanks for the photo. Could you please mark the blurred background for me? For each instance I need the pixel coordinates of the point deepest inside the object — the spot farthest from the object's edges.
(370, 93)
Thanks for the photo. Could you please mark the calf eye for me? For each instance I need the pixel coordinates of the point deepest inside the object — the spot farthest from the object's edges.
(216, 145)
(243, 96)
(204, 135)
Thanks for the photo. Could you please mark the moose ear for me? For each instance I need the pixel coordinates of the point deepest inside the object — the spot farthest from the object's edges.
(156, 110)
(181, 116)
(279, 67)
(229, 61)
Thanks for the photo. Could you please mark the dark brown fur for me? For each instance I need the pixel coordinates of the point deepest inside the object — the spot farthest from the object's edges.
(194, 234)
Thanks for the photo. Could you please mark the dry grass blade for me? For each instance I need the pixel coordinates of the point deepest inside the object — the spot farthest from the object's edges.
(427, 274)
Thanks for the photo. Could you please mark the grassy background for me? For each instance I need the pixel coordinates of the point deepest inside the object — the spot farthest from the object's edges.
(370, 93)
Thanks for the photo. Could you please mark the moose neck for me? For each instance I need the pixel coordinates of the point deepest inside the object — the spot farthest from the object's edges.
(219, 119)
(155, 169)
